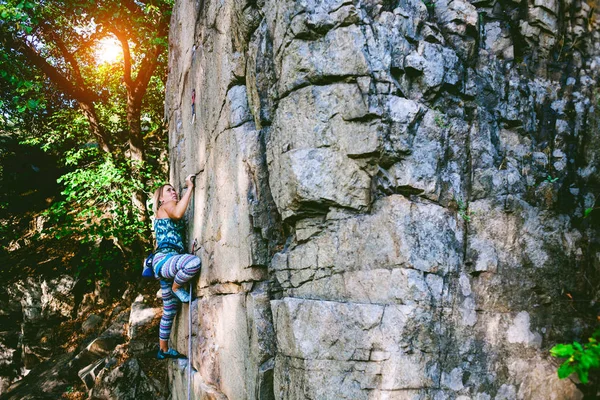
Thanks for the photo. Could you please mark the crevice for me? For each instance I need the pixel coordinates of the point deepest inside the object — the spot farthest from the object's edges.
(285, 42)
(325, 80)
(219, 118)
(347, 302)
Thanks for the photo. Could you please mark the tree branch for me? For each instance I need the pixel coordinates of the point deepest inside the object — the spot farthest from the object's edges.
(69, 58)
(149, 64)
(76, 92)
(94, 37)
(84, 97)
(126, 56)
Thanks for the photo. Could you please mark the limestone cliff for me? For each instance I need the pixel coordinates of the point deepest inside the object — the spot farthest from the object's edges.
(391, 195)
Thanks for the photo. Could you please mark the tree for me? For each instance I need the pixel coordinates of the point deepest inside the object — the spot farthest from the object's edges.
(104, 119)
(61, 39)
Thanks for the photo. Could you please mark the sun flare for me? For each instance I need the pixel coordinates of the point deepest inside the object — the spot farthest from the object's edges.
(109, 51)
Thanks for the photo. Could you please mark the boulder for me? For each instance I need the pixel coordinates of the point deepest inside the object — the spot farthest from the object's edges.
(127, 382)
(91, 323)
(140, 316)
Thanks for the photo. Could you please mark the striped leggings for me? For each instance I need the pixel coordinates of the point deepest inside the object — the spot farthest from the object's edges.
(178, 267)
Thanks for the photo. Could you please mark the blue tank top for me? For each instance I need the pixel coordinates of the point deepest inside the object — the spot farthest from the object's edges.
(169, 234)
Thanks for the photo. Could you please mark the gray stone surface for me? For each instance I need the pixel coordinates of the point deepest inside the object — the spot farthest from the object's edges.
(232, 330)
(127, 381)
(392, 195)
(91, 323)
(140, 316)
(31, 308)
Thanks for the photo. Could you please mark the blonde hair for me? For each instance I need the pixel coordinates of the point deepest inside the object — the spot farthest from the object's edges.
(156, 198)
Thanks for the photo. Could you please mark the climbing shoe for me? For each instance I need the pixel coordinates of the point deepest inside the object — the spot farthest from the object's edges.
(171, 353)
(182, 295)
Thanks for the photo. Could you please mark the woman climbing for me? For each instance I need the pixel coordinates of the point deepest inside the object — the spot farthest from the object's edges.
(170, 264)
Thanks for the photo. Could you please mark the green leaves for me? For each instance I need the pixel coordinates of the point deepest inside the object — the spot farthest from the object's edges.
(463, 211)
(42, 110)
(565, 370)
(562, 350)
(579, 358)
(99, 197)
(32, 104)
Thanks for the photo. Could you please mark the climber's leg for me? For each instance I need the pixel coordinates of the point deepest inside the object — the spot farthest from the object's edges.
(170, 305)
(188, 271)
(181, 268)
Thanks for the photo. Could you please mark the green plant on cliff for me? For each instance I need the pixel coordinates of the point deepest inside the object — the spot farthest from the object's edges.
(430, 4)
(440, 119)
(550, 179)
(579, 358)
(463, 211)
(588, 211)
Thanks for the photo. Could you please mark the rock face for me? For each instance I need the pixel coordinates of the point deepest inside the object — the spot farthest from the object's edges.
(29, 311)
(395, 199)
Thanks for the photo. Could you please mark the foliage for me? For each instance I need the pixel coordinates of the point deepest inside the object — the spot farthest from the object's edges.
(579, 358)
(97, 187)
(103, 120)
(97, 202)
(589, 210)
(440, 121)
(58, 45)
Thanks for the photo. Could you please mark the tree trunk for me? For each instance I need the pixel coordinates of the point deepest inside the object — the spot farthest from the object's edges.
(90, 113)
(136, 140)
(137, 153)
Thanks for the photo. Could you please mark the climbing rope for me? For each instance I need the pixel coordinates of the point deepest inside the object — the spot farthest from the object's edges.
(190, 345)
(189, 387)
(194, 250)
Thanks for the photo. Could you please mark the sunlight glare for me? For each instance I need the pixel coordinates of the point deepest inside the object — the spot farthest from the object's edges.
(109, 51)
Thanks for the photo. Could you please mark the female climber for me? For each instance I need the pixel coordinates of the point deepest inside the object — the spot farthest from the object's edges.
(170, 264)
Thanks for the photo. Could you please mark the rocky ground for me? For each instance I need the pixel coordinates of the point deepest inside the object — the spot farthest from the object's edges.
(101, 347)
(66, 331)
(108, 351)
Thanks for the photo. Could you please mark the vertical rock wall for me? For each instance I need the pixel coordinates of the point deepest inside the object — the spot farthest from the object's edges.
(395, 199)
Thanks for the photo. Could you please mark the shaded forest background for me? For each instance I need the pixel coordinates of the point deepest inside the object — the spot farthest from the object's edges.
(82, 136)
